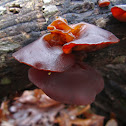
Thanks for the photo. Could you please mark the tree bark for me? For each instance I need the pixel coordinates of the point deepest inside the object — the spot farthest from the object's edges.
(16, 31)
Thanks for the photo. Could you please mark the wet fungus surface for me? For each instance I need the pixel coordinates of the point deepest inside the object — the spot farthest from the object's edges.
(119, 12)
(41, 56)
(55, 68)
(77, 85)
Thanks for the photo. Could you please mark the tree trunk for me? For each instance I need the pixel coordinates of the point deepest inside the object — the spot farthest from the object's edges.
(20, 24)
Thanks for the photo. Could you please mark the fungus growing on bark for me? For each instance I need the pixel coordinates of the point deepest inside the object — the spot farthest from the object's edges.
(103, 3)
(119, 12)
(57, 72)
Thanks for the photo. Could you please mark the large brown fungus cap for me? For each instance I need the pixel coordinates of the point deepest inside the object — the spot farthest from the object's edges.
(78, 85)
(59, 74)
(41, 56)
(81, 36)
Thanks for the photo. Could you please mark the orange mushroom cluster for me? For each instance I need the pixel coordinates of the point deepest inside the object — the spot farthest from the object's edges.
(57, 70)
(119, 12)
(103, 3)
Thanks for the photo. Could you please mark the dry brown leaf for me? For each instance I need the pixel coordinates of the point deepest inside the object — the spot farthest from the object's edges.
(37, 97)
(95, 121)
(112, 122)
(1, 115)
(45, 101)
(34, 108)
(33, 115)
(4, 111)
(28, 97)
(68, 117)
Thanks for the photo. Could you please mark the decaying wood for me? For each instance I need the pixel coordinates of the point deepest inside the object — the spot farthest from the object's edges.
(17, 30)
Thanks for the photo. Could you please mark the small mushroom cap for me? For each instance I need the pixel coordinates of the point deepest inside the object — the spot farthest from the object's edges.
(78, 85)
(62, 33)
(119, 12)
(81, 36)
(42, 56)
(103, 3)
(91, 39)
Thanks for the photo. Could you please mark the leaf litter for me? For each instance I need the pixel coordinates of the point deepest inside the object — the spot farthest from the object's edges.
(34, 108)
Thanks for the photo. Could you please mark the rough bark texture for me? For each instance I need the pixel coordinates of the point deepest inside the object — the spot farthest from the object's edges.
(17, 30)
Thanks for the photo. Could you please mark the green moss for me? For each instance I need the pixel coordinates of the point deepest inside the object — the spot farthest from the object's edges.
(5, 81)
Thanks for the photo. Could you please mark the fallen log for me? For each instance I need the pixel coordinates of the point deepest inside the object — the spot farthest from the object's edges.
(17, 30)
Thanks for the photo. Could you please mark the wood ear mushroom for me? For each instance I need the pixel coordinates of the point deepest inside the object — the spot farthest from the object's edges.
(54, 67)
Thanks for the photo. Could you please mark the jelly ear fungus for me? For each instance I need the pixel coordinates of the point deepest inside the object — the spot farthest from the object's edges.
(54, 67)
(42, 56)
(77, 85)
